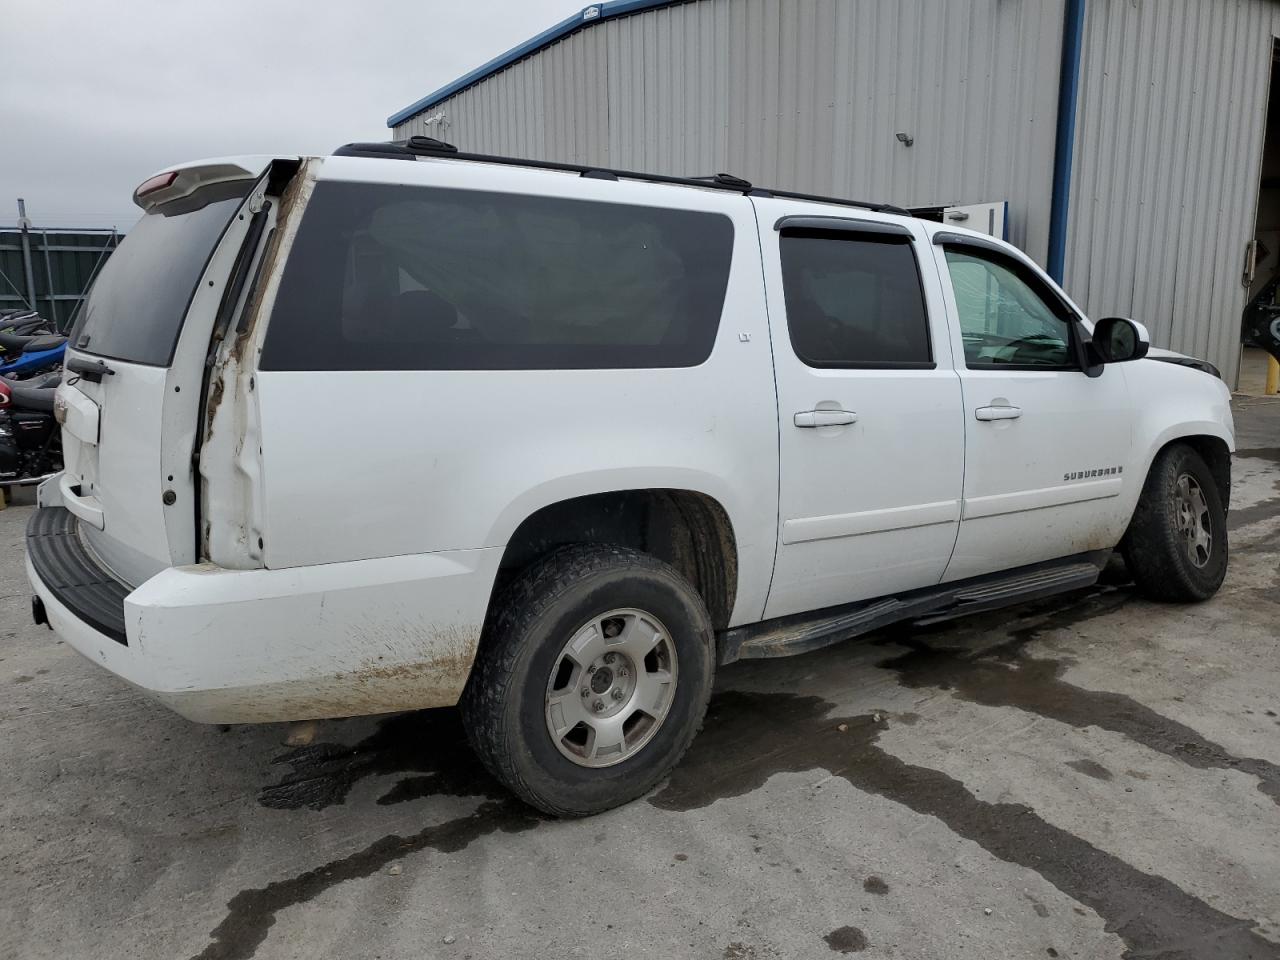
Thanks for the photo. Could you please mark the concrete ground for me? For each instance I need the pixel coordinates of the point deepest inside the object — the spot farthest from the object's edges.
(1253, 372)
(1093, 776)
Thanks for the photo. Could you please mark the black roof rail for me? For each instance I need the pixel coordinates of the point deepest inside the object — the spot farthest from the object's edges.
(396, 149)
(419, 146)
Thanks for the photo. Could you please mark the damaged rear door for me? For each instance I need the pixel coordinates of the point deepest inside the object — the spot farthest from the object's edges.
(130, 402)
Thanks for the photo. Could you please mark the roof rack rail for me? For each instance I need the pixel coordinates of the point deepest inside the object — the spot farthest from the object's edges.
(419, 146)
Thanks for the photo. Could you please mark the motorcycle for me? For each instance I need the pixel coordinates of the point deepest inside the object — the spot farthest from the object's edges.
(30, 438)
(1262, 319)
(28, 354)
(20, 321)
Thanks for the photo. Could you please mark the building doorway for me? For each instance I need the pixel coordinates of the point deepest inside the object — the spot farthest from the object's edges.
(1260, 330)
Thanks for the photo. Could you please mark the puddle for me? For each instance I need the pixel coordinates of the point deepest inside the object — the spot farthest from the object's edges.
(1005, 676)
(749, 737)
(1253, 500)
(429, 746)
(252, 913)
(429, 750)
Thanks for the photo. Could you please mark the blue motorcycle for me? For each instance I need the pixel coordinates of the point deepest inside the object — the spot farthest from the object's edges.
(25, 355)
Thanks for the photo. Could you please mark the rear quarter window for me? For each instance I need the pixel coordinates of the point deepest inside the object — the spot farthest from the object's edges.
(389, 277)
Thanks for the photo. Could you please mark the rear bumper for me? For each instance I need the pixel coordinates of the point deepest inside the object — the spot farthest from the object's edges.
(242, 646)
(56, 554)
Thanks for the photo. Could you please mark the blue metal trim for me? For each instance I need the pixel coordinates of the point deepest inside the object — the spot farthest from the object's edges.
(583, 18)
(1064, 149)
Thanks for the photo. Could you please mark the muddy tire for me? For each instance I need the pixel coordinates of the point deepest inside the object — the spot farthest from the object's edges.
(592, 679)
(1176, 545)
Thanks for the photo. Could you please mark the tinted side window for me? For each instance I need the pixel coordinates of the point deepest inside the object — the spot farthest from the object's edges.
(385, 277)
(854, 300)
(1003, 317)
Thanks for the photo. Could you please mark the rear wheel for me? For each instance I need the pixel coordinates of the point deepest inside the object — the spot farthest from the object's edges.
(592, 679)
(1176, 546)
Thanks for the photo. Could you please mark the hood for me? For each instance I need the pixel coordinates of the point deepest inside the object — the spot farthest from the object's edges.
(1170, 356)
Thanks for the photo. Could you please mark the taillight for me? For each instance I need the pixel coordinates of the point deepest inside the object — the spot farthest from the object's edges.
(158, 182)
(5, 397)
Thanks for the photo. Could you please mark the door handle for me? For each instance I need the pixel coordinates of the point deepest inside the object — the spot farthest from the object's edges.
(998, 413)
(825, 418)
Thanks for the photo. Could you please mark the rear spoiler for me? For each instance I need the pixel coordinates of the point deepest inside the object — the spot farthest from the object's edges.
(185, 179)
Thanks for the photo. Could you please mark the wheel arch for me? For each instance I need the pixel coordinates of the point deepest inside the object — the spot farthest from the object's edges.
(1211, 442)
(689, 529)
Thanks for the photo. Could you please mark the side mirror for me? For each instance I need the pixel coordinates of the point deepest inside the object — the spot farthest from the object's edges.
(1117, 339)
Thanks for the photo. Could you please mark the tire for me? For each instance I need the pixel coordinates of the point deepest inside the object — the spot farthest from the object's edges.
(516, 696)
(1158, 548)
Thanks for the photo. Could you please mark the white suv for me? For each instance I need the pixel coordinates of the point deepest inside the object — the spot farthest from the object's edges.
(403, 427)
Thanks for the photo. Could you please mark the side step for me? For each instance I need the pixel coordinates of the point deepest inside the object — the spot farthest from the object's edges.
(802, 632)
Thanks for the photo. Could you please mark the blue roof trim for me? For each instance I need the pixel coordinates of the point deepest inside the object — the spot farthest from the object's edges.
(583, 18)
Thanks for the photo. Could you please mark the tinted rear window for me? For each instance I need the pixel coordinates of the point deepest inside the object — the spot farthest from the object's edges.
(135, 308)
(384, 277)
(854, 300)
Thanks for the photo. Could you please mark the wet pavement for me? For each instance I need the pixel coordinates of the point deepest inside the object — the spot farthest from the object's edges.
(1088, 776)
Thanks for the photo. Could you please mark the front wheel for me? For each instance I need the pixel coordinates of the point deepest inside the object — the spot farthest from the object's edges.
(592, 679)
(1176, 546)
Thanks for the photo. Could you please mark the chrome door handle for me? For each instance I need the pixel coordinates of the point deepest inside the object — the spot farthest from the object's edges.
(825, 418)
(998, 413)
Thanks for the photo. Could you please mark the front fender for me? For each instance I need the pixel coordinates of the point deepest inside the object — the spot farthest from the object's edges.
(1173, 402)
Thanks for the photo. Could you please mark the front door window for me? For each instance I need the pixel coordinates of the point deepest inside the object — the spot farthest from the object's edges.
(1004, 319)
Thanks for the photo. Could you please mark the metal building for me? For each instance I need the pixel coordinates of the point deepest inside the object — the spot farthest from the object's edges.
(1127, 136)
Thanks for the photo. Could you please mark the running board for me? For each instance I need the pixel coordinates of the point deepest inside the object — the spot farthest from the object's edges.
(802, 632)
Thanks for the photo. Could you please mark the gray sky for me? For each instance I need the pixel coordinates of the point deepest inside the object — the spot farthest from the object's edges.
(96, 96)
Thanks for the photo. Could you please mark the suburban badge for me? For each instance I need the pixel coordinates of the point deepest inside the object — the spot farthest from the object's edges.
(1091, 474)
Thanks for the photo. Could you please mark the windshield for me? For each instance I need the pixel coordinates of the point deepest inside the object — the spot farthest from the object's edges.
(135, 308)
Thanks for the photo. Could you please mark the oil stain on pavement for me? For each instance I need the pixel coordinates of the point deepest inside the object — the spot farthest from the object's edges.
(750, 737)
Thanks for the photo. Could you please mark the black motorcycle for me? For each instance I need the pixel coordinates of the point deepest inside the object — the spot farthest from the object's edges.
(1262, 319)
(18, 321)
(30, 438)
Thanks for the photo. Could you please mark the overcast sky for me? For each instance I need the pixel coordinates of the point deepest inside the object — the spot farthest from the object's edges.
(96, 96)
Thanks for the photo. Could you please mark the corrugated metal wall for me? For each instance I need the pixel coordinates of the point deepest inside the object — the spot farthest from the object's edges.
(802, 94)
(62, 265)
(1169, 136)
